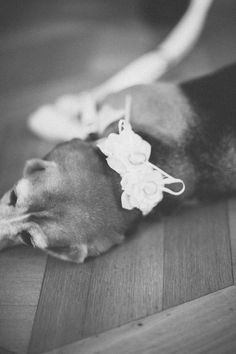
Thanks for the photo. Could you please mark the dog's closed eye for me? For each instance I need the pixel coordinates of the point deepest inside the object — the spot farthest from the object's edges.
(13, 198)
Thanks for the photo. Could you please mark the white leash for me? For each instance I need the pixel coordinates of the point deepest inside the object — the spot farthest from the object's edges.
(75, 115)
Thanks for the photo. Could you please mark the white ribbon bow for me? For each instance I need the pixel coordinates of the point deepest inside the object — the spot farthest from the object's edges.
(142, 182)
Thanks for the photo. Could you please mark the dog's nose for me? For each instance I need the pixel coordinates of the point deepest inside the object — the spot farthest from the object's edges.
(9, 211)
(12, 219)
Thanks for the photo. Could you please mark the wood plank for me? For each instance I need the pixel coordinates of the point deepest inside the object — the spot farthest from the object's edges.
(15, 327)
(105, 292)
(232, 230)
(74, 49)
(127, 283)
(62, 305)
(21, 269)
(205, 325)
(5, 351)
(197, 257)
(21, 275)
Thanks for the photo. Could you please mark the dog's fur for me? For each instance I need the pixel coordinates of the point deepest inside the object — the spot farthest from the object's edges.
(68, 204)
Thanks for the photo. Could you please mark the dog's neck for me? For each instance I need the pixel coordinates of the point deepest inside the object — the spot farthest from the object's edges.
(213, 96)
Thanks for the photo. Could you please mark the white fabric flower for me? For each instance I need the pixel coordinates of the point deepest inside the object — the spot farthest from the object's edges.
(142, 183)
(125, 151)
(142, 190)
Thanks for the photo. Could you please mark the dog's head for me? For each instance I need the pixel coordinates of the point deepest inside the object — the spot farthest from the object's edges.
(67, 204)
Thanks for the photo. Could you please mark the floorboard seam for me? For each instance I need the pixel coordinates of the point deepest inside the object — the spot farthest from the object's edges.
(232, 243)
(87, 296)
(40, 293)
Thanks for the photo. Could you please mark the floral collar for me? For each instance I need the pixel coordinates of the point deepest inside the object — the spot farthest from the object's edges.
(142, 182)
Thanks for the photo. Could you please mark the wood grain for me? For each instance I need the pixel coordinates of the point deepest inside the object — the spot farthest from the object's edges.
(197, 257)
(205, 325)
(62, 305)
(15, 326)
(232, 230)
(21, 274)
(21, 269)
(127, 283)
(5, 351)
(75, 49)
(103, 293)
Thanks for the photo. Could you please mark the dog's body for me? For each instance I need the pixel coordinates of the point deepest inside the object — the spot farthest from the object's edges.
(69, 203)
(192, 129)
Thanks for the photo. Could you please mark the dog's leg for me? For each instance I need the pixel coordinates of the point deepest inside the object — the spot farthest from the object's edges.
(60, 121)
(151, 66)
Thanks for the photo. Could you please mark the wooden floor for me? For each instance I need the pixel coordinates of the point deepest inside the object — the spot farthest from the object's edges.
(163, 286)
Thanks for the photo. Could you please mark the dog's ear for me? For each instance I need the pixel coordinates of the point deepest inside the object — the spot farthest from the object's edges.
(76, 254)
(35, 165)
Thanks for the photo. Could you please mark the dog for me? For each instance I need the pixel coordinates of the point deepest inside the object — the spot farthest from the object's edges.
(69, 203)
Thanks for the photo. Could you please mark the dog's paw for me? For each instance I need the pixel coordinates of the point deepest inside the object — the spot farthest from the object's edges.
(76, 254)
